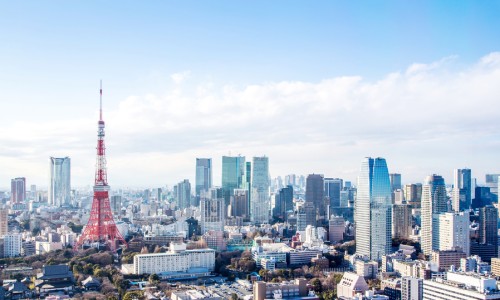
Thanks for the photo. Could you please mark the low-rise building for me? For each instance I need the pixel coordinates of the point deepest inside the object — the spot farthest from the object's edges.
(215, 240)
(176, 263)
(284, 290)
(447, 258)
(367, 269)
(55, 279)
(195, 295)
(350, 285)
(464, 286)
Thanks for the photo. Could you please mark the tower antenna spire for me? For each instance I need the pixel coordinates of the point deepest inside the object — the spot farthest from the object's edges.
(100, 102)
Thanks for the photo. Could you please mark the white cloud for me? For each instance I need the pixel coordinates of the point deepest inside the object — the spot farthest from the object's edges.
(180, 77)
(427, 118)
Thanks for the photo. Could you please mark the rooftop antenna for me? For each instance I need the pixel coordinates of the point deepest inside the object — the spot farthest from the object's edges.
(100, 103)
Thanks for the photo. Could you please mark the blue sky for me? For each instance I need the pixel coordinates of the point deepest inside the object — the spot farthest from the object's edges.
(52, 55)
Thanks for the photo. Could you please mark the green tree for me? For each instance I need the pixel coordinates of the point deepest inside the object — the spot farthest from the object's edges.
(316, 285)
(329, 295)
(88, 269)
(133, 295)
(234, 296)
(77, 269)
(154, 279)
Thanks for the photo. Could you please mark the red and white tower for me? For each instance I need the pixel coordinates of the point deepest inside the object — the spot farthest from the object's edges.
(101, 227)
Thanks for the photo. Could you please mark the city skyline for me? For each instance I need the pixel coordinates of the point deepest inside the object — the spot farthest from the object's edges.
(292, 86)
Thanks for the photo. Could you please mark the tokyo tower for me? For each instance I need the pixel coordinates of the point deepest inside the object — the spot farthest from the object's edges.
(101, 229)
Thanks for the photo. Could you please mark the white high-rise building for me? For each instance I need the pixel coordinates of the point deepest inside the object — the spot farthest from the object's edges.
(12, 244)
(434, 202)
(372, 210)
(411, 288)
(454, 231)
(60, 181)
(260, 204)
(4, 222)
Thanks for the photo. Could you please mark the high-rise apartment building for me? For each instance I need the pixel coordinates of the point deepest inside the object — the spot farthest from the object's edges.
(434, 202)
(60, 181)
(462, 190)
(212, 210)
(12, 244)
(183, 194)
(454, 231)
(395, 181)
(315, 195)
(233, 171)
(333, 187)
(203, 177)
(401, 221)
(18, 190)
(373, 214)
(260, 198)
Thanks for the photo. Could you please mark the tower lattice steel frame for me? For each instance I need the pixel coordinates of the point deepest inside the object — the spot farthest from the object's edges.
(101, 227)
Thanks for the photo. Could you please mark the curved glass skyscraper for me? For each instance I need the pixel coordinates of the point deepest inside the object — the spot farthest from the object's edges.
(60, 181)
(434, 202)
(373, 214)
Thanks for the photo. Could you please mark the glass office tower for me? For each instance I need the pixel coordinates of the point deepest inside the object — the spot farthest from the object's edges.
(373, 213)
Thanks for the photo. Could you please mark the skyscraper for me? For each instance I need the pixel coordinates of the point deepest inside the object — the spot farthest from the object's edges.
(315, 195)
(462, 190)
(486, 245)
(260, 197)
(18, 190)
(492, 182)
(233, 170)
(285, 196)
(434, 202)
(333, 186)
(395, 181)
(248, 185)
(183, 194)
(373, 215)
(60, 181)
(203, 176)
